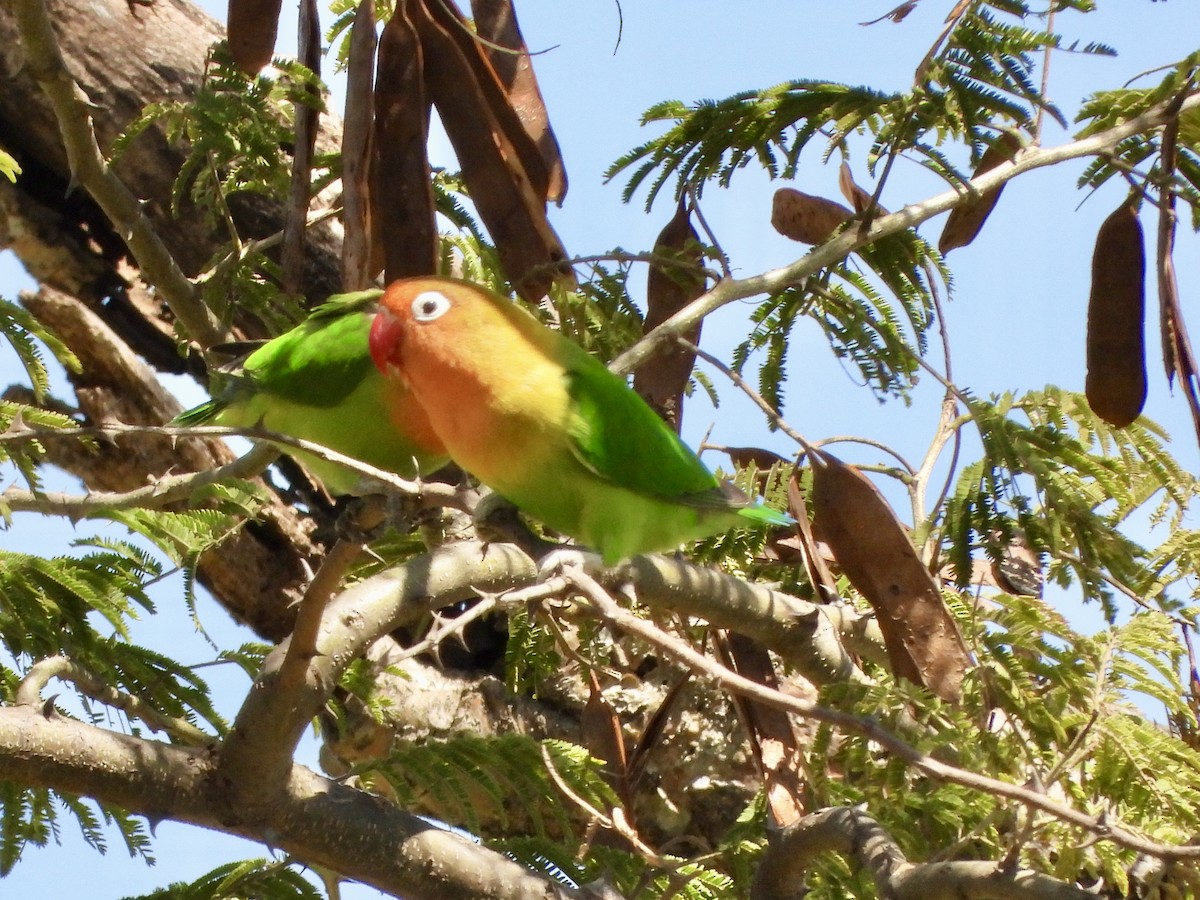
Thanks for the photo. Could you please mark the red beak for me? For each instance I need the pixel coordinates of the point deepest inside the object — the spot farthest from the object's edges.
(386, 332)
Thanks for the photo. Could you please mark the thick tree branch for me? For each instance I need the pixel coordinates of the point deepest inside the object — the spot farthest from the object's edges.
(89, 169)
(728, 290)
(805, 634)
(852, 833)
(319, 821)
(258, 754)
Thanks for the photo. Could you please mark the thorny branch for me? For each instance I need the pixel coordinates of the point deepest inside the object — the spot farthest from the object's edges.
(161, 492)
(1099, 826)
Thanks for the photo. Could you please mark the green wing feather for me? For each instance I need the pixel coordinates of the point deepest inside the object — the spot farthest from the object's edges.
(618, 437)
(318, 363)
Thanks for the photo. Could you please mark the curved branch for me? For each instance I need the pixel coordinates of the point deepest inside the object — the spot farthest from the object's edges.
(39, 675)
(89, 168)
(728, 290)
(257, 756)
(321, 822)
(852, 833)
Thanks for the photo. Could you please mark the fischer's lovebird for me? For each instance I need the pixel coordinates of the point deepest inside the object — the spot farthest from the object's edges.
(317, 383)
(534, 417)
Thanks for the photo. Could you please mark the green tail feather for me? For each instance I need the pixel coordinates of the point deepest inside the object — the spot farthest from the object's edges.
(764, 515)
(199, 415)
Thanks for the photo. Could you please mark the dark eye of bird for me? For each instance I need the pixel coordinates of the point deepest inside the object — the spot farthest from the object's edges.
(429, 307)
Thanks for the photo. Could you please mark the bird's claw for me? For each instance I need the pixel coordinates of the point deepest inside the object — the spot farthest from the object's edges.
(557, 561)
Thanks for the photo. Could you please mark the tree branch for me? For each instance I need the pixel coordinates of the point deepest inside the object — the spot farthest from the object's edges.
(728, 290)
(318, 821)
(1099, 826)
(163, 491)
(89, 168)
(852, 833)
(258, 755)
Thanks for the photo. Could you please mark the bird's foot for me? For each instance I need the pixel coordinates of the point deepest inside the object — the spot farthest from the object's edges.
(557, 561)
(363, 519)
(497, 520)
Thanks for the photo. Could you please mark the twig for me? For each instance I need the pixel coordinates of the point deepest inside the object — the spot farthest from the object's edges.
(165, 490)
(433, 493)
(453, 627)
(30, 689)
(771, 413)
(1099, 826)
(726, 269)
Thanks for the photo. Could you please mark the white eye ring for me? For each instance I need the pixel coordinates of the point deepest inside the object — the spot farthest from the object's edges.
(430, 305)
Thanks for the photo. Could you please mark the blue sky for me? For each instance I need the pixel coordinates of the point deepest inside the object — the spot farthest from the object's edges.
(1016, 319)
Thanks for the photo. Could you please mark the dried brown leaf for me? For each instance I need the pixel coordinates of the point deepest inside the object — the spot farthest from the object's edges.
(1178, 356)
(965, 222)
(651, 736)
(1116, 351)
(357, 147)
(776, 749)
(600, 731)
(661, 380)
(511, 209)
(253, 26)
(806, 218)
(812, 553)
(496, 20)
(873, 549)
(402, 207)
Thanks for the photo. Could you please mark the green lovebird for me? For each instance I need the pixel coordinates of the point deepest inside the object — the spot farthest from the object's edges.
(317, 383)
(547, 426)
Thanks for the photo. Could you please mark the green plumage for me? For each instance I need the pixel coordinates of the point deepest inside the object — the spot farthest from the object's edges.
(317, 383)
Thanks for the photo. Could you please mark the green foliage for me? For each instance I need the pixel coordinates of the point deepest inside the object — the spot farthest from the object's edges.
(23, 332)
(27, 336)
(1047, 705)
(1106, 109)
(978, 81)
(530, 656)
(251, 879)
(1068, 480)
(235, 130)
(30, 817)
(8, 167)
(490, 785)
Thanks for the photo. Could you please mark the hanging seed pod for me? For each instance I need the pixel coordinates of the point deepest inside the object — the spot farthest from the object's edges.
(253, 25)
(661, 380)
(965, 222)
(1116, 346)
(805, 218)
(496, 20)
(873, 549)
(401, 192)
(357, 146)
